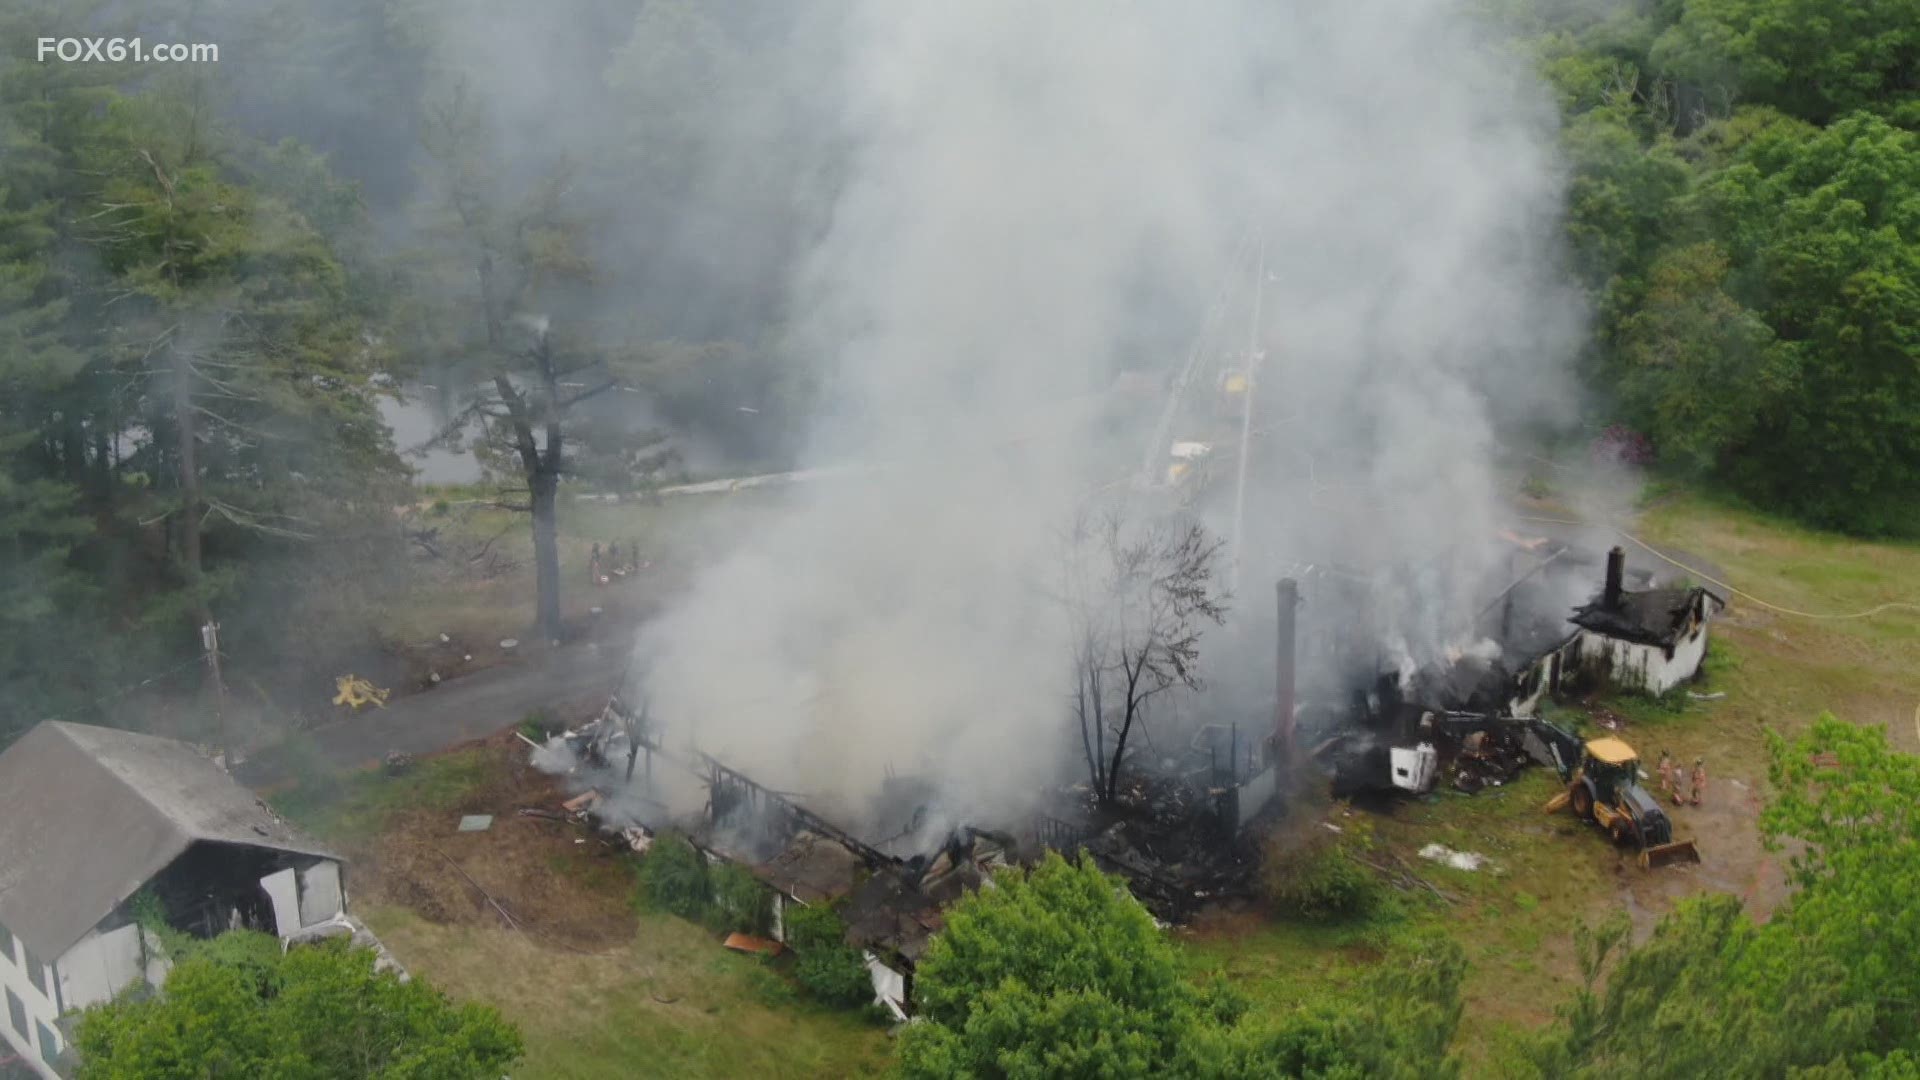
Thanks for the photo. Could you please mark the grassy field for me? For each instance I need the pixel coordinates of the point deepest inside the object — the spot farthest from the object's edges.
(648, 995)
(670, 1002)
(1516, 919)
(451, 595)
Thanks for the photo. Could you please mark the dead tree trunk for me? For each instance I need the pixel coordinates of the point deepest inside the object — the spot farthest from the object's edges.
(546, 553)
(187, 459)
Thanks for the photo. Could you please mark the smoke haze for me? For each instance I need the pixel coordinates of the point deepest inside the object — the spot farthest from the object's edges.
(1040, 197)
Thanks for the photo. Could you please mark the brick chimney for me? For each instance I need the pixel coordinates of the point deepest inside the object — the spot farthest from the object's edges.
(1616, 578)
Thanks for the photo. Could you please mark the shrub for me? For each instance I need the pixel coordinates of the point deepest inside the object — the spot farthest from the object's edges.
(738, 901)
(1311, 873)
(828, 968)
(674, 878)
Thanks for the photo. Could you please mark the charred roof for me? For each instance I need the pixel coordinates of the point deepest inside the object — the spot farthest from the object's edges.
(1649, 616)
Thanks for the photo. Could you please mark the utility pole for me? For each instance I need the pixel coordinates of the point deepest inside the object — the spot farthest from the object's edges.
(1156, 459)
(1255, 354)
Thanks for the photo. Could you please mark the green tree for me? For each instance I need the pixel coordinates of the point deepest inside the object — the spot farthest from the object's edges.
(1813, 59)
(1694, 361)
(828, 968)
(1825, 986)
(1822, 231)
(245, 1009)
(1059, 972)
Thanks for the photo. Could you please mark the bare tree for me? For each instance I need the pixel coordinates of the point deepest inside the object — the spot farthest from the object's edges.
(1139, 599)
(513, 262)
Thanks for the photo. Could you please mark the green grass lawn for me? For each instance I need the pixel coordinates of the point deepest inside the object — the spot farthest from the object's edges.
(673, 1003)
(1516, 920)
(674, 534)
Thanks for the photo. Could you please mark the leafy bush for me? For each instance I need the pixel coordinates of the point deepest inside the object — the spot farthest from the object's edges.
(829, 969)
(738, 902)
(238, 1006)
(674, 878)
(1311, 873)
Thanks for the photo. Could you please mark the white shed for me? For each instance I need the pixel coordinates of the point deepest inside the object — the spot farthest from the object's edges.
(1650, 640)
(97, 817)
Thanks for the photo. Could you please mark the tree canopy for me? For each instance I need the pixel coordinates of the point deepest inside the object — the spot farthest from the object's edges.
(243, 1008)
(1059, 972)
(1742, 211)
(1826, 985)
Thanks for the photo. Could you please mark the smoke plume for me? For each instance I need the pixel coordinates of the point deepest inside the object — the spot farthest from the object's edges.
(1041, 198)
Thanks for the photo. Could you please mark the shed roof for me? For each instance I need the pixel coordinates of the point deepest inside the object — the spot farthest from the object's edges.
(1648, 616)
(93, 813)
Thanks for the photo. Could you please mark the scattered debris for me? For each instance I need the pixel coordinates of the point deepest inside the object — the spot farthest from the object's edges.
(637, 838)
(356, 693)
(476, 822)
(1715, 696)
(747, 943)
(582, 802)
(1459, 860)
(397, 761)
(509, 644)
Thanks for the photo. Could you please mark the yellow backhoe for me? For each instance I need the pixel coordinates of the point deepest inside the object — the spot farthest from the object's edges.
(1603, 786)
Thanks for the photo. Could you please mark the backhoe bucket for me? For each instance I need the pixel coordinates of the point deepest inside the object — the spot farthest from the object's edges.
(1659, 855)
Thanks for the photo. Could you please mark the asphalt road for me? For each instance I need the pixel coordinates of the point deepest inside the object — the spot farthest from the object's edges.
(456, 711)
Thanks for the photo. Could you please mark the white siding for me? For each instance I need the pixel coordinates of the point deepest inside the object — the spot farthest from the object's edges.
(283, 889)
(1633, 666)
(889, 986)
(320, 897)
(40, 1006)
(100, 966)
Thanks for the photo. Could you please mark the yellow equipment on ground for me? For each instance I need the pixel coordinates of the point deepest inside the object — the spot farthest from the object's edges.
(356, 693)
(1605, 789)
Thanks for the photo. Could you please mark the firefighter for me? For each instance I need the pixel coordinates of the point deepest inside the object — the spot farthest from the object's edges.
(1668, 771)
(1699, 779)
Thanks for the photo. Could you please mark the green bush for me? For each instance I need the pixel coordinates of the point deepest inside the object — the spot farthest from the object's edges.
(739, 902)
(1311, 873)
(674, 878)
(829, 969)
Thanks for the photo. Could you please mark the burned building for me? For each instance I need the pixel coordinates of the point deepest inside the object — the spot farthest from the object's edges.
(1649, 640)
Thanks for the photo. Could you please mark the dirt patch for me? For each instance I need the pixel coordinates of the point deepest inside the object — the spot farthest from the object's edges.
(560, 881)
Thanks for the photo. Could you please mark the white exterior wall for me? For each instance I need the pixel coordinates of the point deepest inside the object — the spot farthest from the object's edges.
(321, 897)
(889, 986)
(42, 1008)
(104, 963)
(100, 966)
(283, 890)
(1633, 666)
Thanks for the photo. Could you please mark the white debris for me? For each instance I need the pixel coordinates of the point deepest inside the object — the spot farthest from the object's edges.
(1459, 860)
(1716, 696)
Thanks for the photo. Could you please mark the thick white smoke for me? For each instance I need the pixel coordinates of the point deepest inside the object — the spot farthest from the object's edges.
(1036, 190)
